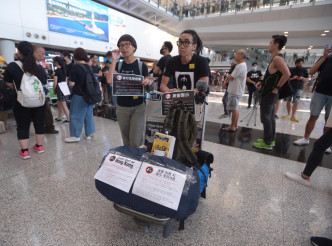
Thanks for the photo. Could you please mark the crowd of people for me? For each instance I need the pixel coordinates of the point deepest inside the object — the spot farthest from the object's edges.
(206, 7)
(172, 73)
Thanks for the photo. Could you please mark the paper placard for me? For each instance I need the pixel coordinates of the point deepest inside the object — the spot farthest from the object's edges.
(118, 171)
(127, 85)
(64, 88)
(170, 99)
(159, 185)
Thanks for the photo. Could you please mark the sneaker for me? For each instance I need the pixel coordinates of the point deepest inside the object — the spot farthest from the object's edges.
(328, 150)
(88, 137)
(2, 127)
(286, 117)
(72, 140)
(24, 155)
(298, 178)
(273, 143)
(302, 142)
(263, 145)
(223, 116)
(320, 241)
(39, 149)
(294, 119)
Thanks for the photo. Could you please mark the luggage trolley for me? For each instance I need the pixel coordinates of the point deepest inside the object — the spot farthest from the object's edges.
(154, 123)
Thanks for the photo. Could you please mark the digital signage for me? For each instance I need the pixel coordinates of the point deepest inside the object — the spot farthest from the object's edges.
(85, 18)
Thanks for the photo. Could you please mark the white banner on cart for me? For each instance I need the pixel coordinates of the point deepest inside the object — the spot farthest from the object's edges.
(118, 171)
(159, 185)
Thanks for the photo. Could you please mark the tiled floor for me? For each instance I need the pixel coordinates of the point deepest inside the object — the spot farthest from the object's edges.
(50, 199)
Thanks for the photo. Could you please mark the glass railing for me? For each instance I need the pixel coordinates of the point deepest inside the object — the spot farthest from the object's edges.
(218, 7)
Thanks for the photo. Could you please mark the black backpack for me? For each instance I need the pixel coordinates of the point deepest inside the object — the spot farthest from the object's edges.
(92, 93)
(7, 96)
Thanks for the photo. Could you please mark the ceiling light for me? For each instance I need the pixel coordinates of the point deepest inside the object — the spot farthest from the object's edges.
(285, 32)
(326, 31)
(309, 48)
(323, 34)
(286, 35)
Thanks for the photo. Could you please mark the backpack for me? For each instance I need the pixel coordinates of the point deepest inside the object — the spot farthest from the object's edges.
(92, 93)
(140, 66)
(7, 96)
(31, 93)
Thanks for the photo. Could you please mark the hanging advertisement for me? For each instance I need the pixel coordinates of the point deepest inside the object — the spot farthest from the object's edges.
(84, 18)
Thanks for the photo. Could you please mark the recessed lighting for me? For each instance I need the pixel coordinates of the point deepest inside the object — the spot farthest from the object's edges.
(309, 48)
(326, 31)
(285, 32)
(323, 34)
(286, 35)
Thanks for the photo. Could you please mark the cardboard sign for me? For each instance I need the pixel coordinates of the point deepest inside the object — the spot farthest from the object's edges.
(170, 99)
(127, 85)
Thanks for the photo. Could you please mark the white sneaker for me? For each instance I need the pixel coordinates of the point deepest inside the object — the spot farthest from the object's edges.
(2, 127)
(328, 150)
(88, 137)
(301, 142)
(298, 178)
(72, 140)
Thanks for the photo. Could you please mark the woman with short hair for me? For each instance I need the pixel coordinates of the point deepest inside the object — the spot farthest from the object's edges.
(80, 111)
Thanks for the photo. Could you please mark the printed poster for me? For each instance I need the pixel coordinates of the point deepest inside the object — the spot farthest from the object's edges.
(118, 171)
(159, 185)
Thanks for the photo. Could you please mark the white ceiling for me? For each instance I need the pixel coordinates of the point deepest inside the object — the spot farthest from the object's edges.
(249, 28)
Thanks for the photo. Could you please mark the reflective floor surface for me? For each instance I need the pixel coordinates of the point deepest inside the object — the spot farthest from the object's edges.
(51, 199)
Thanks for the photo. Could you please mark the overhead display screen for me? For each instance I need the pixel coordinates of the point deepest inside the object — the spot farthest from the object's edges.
(85, 18)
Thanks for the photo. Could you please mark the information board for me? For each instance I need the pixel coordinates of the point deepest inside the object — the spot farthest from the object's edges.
(170, 99)
(127, 85)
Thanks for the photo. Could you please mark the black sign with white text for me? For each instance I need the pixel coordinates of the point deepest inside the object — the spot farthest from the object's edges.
(170, 99)
(127, 85)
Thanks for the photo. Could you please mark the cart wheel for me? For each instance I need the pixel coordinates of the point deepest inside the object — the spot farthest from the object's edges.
(167, 230)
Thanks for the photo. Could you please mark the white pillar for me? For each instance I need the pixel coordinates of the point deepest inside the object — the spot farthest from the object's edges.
(7, 50)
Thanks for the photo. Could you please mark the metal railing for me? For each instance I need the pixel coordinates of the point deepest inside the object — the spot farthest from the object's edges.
(218, 7)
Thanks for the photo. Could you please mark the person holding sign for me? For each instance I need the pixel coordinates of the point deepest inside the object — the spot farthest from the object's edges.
(130, 110)
(60, 77)
(188, 67)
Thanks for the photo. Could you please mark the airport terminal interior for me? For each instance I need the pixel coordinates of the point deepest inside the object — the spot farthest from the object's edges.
(51, 197)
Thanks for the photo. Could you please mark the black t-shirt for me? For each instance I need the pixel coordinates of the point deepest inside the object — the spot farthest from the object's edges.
(78, 75)
(254, 76)
(324, 85)
(103, 79)
(298, 71)
(68, 68)
(14, 73)
(161, 64)
(95, 69)
(60, 75)
(187, 74)
(132, 68)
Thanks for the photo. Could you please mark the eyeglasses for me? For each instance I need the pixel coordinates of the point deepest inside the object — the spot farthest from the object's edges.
(184, 43)
(125, 45)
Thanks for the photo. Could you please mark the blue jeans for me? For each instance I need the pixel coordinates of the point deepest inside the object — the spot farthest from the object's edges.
(81, 112)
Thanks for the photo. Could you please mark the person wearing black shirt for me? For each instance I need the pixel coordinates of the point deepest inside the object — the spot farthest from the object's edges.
(253, 77)
(131, 109)
(105, 86)
(39, 54)
(299, 75)
(95, 67)
(188, 67)
(24, 115)
(165, 50)
(322, 96)
(60, 76)
(80, 111)
(275, 77)
(69, 64)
